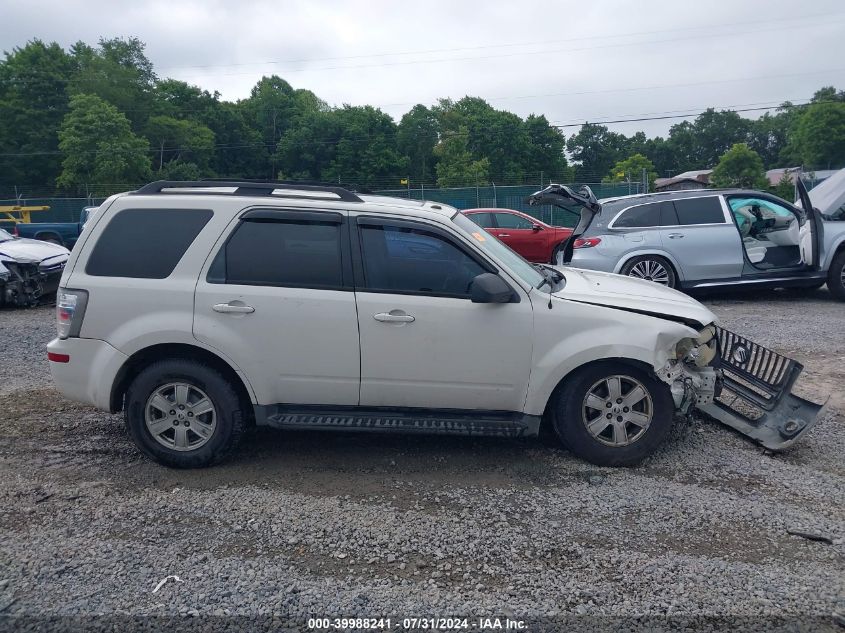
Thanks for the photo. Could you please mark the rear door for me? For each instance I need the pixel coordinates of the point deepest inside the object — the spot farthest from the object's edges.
(277, 299)
(701, 236)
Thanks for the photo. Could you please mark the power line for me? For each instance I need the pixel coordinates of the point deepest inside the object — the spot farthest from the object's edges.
(791, 21)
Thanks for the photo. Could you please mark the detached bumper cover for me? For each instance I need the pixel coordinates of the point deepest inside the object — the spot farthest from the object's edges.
(755, 398)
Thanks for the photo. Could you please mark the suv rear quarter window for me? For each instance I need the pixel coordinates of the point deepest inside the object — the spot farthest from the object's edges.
(145, 243)
(640, 216)
(707, 210)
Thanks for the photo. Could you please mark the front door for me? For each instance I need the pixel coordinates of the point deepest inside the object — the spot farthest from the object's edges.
(811, 236)
(277, 300)
(423, 342)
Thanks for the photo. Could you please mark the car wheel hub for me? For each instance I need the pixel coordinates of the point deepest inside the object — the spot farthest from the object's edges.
(650, 270)
(180, 416)
(617, 410)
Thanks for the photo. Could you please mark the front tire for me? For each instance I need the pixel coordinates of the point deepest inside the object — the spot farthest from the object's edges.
(836, 276)
(651, 268)
(183, 414)
(640, 410)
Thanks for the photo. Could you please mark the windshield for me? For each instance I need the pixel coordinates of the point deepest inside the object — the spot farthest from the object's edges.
(499, 251)
(5, 236)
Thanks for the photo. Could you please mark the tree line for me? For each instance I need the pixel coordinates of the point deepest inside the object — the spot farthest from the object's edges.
(100, 116)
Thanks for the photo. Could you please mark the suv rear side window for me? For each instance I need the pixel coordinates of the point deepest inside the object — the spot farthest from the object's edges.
(145, 243)
(398, 259)
(289, 253)
(700, 210)
(641, 216)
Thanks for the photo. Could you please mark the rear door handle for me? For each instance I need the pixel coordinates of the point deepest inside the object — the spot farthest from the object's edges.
(675, 236)
(391, 317)
(233, 308)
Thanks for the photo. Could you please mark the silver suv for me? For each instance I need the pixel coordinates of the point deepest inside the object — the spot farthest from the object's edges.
(199, 308)
(718, 238)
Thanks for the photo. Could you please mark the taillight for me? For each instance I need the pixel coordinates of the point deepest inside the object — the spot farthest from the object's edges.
(70, 310)
(586, 242)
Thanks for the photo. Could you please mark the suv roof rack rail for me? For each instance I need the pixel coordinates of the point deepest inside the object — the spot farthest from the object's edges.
(246, 188)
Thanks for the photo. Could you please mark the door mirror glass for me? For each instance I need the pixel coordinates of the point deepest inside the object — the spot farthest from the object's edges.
(490, 288)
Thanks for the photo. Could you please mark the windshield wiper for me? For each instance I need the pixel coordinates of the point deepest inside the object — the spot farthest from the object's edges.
(550, 275)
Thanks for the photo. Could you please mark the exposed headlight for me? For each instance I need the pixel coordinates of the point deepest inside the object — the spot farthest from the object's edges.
(700, 350)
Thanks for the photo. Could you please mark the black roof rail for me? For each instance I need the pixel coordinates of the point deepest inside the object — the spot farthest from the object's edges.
(246, 188)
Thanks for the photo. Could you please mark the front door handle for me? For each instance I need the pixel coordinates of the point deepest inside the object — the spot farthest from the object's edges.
(503, 235)
(236, 308)
(394, 316)
(675, 236)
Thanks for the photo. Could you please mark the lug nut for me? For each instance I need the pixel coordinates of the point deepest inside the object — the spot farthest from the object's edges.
(609, 404)
(625, 409)
(618, 400)
(186, 423)
(175, 422)
(182, 406)
(609, 416)
(190, 414)
(619, 418)
(172, 412)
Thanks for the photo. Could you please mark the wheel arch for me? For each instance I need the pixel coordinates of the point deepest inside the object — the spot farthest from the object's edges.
(837, 247)
(148, 355)
(45, 235)
(679, 275)
(631, 362)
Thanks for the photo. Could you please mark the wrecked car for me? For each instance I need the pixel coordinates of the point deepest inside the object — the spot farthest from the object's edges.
(29, 269)
(303, 306)
(719, 238)
(751, 384)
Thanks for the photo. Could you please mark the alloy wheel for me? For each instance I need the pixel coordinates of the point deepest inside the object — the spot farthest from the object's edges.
(617, 410)
(650, 270)
(180, 416)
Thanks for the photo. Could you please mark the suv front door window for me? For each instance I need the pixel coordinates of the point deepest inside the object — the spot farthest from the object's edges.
(423, 341)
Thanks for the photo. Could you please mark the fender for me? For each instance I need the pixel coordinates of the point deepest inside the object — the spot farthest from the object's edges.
(831, 252)
(652, 251)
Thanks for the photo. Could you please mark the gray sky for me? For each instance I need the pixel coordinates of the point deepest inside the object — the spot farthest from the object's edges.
(572, 61)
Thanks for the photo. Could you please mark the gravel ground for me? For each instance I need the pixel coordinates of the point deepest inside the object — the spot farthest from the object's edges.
(308, 524)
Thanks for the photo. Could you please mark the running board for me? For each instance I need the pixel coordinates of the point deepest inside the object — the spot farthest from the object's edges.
(423, 421)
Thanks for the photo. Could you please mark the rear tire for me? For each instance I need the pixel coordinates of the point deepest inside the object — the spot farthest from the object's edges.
(651, 268)
(183, 414)
(632, 433)
(836, 276)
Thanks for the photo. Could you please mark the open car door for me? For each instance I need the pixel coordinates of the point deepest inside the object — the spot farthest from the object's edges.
(565, 198)
(810, 241)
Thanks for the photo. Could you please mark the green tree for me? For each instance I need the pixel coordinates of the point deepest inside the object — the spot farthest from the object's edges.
(98, 146)
(455, 165)
(119, 72)
(819, 136)
(595, 149)
(698, 145)
(740, 166)
(785, 188)
(33, 101)
(546, 148)
(631, 170)
(416, 137)
(180, 141)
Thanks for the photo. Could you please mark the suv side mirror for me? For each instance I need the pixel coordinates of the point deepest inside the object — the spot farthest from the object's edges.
(536, 227)
(490, 288)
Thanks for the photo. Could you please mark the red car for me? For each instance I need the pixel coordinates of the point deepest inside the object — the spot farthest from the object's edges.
(536, 241)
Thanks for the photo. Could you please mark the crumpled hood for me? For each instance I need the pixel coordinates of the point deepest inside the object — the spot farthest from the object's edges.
(26, 250)
(618, 291)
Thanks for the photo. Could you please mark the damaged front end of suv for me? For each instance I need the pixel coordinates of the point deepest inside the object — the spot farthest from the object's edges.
(29, 270)
(718, 372)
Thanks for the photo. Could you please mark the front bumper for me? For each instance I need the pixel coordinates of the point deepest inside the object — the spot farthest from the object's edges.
(755, 396)
(90, 371)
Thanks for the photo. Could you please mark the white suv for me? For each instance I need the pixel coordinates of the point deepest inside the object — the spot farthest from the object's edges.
(199, 308)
